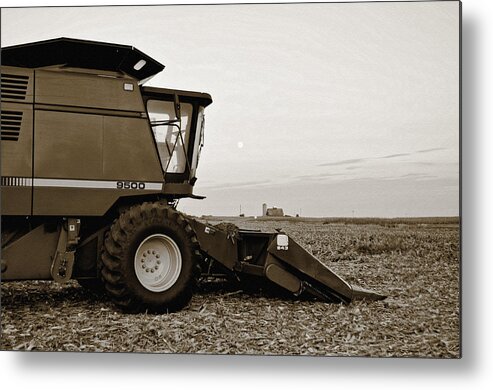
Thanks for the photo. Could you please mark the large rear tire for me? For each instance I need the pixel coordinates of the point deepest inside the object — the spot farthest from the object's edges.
(151, 259)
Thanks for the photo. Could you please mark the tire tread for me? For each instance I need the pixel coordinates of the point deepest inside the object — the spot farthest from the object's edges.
(116, 249)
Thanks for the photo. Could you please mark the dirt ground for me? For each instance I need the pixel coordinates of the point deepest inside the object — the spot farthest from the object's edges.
(415, 264)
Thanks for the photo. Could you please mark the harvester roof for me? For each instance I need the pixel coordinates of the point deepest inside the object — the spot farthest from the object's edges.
(79, 53)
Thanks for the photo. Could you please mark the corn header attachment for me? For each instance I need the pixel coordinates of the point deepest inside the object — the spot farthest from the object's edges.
(276, 258)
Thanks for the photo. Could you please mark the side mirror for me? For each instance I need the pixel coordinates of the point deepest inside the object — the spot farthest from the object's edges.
(177, 107)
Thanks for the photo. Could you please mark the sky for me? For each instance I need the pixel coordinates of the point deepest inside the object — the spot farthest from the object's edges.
(322, 109)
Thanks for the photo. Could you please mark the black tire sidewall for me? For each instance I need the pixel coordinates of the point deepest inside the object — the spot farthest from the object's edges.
(180, 291)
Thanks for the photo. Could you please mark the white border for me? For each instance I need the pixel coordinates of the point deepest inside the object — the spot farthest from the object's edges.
(127, 371)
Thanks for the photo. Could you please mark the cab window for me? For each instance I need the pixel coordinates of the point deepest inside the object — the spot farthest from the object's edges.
(171, 138)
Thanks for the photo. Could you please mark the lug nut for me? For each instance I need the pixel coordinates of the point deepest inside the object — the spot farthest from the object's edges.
(159, 261)
(157, 256)
(145, 254)
(143, 266)
(147, 269)
(152, 270)
(156, 267)
(153, 252)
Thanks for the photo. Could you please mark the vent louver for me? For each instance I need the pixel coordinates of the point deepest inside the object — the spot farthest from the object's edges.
(11, 125)
(14, 86)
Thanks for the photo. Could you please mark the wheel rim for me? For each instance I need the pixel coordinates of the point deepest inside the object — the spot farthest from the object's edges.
(158, 263)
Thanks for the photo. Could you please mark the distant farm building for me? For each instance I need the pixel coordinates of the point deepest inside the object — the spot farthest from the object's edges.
(275, 212)
(271, 212)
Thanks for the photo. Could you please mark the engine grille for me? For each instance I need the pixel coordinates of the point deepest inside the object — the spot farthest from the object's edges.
(11, 125)
(14, 86)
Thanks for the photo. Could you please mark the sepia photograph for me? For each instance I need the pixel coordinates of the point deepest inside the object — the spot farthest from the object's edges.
(232, 179)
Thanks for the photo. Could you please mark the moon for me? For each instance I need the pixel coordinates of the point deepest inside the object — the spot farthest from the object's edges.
(240, 144)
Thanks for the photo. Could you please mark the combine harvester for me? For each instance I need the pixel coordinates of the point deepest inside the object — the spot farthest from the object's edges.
(93, 164)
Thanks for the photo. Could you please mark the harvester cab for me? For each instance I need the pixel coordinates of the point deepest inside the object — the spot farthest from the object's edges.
(93, 163)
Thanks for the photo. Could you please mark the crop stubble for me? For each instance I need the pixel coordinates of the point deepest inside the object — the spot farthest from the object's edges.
(416, 265)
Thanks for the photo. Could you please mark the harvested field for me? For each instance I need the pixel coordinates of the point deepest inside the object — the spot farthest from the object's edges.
(415, 264)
